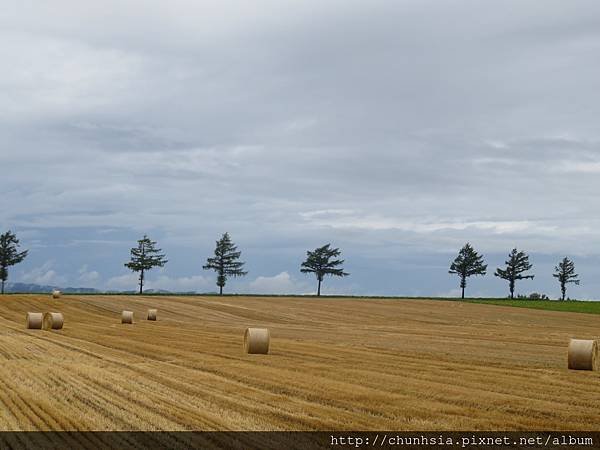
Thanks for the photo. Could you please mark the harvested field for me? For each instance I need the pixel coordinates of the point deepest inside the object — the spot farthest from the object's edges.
(334, 364)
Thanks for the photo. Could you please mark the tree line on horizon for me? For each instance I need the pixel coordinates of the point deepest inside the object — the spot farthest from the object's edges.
(322, 261)
(226, 261)
(469, 263)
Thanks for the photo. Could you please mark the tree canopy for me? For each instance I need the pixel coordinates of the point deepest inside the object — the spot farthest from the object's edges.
(516, 265)
(225, 262)
(145, 257)
(565, 272)
(321, 262)
(9, 254)
(466, 264)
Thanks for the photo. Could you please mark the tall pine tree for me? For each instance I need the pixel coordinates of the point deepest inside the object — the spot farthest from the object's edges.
(9, 254)
(145, 257)
(225, 262)
(565, 272)
(467, 263)
(320, 263)
(517, 264)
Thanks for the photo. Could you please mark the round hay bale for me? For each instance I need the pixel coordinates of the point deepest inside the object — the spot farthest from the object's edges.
(34, 320)
(53, 321)
(583, 355)
(127, 317)
(152, 314)
(56, 294)
(256, 341)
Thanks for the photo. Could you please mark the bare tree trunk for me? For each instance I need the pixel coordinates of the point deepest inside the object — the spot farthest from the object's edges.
(220, 290)
(319, 288)
(142, 282)
(463, 292)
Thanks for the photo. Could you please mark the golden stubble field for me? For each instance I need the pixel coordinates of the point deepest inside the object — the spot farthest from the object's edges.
(335, 364)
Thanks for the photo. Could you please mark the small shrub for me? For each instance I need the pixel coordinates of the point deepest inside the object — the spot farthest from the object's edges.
(533, 296)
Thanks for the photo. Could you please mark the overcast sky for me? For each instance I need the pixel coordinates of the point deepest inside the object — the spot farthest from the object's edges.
(396, 130)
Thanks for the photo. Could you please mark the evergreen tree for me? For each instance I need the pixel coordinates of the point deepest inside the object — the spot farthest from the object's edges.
(565, 272)
(517, 264)
(466, 264)
(145, 257)
(225, 262)
(320, 263)
(9, 254)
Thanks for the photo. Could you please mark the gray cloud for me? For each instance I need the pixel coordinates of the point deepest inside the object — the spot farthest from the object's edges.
(393, 129)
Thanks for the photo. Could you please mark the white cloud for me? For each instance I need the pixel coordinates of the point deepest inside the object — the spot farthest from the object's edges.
(183, 284)
(88, 278)
(63, 76)
(128, 282)
(591, 167)
(44, 275)
(345, 219)
(499, 145)
(449, 294)
(281, 283)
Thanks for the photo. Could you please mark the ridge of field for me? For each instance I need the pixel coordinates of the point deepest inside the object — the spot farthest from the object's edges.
(335, 364)
(582, 306)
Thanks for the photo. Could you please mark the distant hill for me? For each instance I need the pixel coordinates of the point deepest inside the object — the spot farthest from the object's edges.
(27, 288)
(31, 288)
